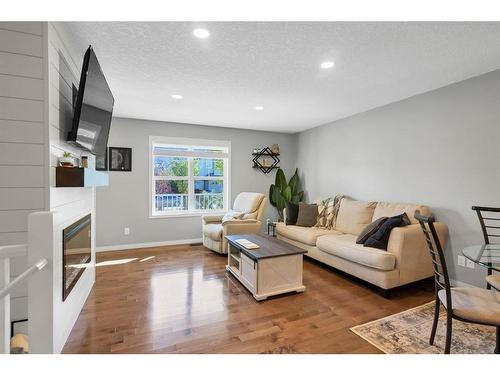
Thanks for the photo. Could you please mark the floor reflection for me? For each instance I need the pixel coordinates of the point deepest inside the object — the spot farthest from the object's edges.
(185, 293)
(115, 262)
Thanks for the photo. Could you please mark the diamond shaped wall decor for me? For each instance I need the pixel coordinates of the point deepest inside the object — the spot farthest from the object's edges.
(265, 153)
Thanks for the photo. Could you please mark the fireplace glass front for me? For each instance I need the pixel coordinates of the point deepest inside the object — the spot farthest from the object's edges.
(76, 252)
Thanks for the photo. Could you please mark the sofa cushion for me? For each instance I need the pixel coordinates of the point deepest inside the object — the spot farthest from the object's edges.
(354, 216)
(213, 231)
(392, 209)
(344, 246)
(304, 235)
(247, 202)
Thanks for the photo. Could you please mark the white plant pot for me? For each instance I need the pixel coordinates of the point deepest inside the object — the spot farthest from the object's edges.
(66, 161)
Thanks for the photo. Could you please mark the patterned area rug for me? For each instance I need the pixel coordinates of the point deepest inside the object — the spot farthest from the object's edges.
(408, 333)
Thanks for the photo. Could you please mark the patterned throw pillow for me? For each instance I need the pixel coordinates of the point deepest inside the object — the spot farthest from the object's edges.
(324, 207)
(332, 218)
(327, 212)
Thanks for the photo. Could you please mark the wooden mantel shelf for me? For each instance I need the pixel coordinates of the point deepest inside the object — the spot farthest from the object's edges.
(80, 177)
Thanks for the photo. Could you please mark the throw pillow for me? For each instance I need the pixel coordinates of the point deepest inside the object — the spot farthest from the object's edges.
(292, 211)
(370, 229)
(332, 217)
(232, 215)
(324, 208)
(308, 215)
(328, 210)
(380, 238)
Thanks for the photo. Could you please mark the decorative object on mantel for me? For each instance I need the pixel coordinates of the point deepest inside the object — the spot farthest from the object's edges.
(85, 161)
(283, 194)
(265, 160)
(101, 162)
(66, 160)
(120, 159)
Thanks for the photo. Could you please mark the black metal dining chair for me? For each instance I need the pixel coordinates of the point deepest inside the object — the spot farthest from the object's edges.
(490, 226)
(471, 305)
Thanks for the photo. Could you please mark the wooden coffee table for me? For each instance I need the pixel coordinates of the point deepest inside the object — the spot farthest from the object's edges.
(274, 268)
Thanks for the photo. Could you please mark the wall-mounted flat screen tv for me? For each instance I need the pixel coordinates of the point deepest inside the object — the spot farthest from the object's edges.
(93, 108)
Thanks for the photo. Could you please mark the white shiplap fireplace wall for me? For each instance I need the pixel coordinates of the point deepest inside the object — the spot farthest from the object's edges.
(23, 139)
(35, 116)
(67, 204)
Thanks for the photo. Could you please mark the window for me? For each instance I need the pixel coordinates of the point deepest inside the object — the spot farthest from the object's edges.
(188, 176)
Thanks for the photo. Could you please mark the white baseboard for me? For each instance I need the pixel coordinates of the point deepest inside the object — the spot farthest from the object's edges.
(100, 249)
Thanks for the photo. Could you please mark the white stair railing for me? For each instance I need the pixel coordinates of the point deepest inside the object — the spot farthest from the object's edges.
(22, 277)
(6, 253)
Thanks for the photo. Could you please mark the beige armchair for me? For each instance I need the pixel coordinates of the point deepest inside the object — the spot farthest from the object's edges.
(214, 230)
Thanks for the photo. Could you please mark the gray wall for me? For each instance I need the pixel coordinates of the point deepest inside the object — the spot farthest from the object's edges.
(440, 148)
(124, 203)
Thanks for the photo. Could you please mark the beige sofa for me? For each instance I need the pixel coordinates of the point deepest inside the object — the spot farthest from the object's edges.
(406, 259)
(214, 231)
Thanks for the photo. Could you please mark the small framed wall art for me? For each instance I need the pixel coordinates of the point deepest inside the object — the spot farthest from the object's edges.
(120, 159)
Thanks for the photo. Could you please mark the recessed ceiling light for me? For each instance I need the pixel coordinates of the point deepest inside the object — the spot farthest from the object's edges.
(259, 108)
(201, 33)
(176, 96)
(327, 64)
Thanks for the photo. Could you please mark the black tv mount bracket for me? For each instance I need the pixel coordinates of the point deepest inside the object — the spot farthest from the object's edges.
(75, 94)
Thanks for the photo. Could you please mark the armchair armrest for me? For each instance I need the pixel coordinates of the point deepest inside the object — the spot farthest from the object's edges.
(410, 249)
(239, 221)
(212, 218)
(241, 226)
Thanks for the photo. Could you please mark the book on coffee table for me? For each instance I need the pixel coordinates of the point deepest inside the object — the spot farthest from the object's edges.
(247, 244)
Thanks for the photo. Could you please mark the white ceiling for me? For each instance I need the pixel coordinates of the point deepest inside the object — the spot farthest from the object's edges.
(276, 65)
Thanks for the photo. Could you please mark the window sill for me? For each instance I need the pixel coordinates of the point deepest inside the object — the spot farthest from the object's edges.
(185, 214)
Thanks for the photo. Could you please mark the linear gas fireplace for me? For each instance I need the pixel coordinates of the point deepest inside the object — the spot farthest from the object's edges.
(76, 252)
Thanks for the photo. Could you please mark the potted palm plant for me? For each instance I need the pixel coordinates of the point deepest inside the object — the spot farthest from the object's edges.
(283, 194)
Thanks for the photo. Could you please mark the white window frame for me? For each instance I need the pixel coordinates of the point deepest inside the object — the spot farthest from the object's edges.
(153, 140)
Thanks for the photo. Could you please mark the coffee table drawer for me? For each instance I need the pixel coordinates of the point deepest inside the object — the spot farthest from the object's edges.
(249, 272)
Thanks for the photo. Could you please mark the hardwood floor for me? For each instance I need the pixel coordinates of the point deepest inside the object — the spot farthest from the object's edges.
(180, 300)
